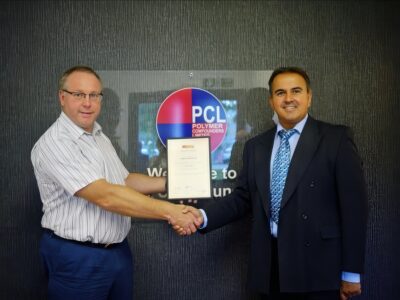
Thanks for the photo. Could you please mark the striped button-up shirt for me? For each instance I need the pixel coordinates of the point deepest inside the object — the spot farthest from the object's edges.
(66, 159)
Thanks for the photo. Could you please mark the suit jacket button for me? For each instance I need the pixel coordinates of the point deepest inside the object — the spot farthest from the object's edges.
(304, 216)
(307, 244)
(312, 184)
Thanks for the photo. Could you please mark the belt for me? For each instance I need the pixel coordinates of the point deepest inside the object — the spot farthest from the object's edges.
(87, 243)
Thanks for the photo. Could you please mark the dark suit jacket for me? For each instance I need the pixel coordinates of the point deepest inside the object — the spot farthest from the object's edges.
(323, 216)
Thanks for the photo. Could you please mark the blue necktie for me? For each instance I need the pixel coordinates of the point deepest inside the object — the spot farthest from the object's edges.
(279, 172)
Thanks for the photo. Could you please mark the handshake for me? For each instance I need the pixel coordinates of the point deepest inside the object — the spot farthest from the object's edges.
(184, 219)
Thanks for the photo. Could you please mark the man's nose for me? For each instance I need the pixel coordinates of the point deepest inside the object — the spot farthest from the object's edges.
(86, 101)
(288, 96)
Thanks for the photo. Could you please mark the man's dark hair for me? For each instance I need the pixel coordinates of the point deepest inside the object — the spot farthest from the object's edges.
(282, 70)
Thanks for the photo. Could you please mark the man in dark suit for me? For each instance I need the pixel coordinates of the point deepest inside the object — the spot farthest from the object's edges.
(311, 243)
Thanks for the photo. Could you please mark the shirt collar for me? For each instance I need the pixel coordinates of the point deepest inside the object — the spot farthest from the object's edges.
(75, 130)
(299, 126)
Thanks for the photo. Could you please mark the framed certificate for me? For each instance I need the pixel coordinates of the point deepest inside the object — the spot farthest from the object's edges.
(189, 168)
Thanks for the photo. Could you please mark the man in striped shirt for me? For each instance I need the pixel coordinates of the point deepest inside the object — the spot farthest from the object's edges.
(88, 198)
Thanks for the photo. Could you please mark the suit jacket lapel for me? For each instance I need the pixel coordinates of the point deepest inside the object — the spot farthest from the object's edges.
(262, 164)
(305, 149)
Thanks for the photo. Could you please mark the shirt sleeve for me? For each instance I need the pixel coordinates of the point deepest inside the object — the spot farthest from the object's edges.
(351, 277)
(205, 219)
(65, 164)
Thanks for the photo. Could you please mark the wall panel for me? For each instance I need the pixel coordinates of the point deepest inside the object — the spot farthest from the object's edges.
(350, 49)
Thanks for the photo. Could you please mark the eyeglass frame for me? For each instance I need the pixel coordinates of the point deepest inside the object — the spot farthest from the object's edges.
(92, 96)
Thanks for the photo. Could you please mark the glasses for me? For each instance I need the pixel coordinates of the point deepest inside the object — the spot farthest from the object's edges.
(94, 97)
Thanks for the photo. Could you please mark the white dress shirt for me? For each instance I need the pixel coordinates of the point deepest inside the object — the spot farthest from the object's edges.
(66, 159)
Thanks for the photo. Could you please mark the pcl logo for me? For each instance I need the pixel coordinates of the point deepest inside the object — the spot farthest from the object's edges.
(192, 112)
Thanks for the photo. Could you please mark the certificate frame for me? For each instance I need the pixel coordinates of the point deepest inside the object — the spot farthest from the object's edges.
(189, 168)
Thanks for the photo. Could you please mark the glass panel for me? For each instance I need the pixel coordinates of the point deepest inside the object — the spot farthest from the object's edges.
(132, 100)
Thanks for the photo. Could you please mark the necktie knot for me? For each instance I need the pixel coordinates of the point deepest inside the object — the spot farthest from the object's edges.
(286, 134)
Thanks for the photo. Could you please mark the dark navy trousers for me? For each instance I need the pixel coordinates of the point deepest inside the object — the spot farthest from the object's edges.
(77, 271)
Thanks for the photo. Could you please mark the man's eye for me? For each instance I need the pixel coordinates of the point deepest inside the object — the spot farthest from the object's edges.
(78, 95)
(280, 94)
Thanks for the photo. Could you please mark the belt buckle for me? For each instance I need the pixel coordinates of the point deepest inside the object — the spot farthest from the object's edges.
(107, 245)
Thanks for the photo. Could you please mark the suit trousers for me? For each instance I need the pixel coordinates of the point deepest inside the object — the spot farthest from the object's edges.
(275, 289)
(78, 271)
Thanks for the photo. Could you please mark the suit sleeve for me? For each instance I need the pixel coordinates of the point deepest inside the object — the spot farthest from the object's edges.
(352, 194)
(230, 208)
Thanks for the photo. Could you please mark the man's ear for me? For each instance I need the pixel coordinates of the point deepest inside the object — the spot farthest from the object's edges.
(270, 103)
(310, 98)
(61, 96)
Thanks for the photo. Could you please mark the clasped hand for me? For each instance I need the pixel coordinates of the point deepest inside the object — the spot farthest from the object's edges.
(185, 220)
